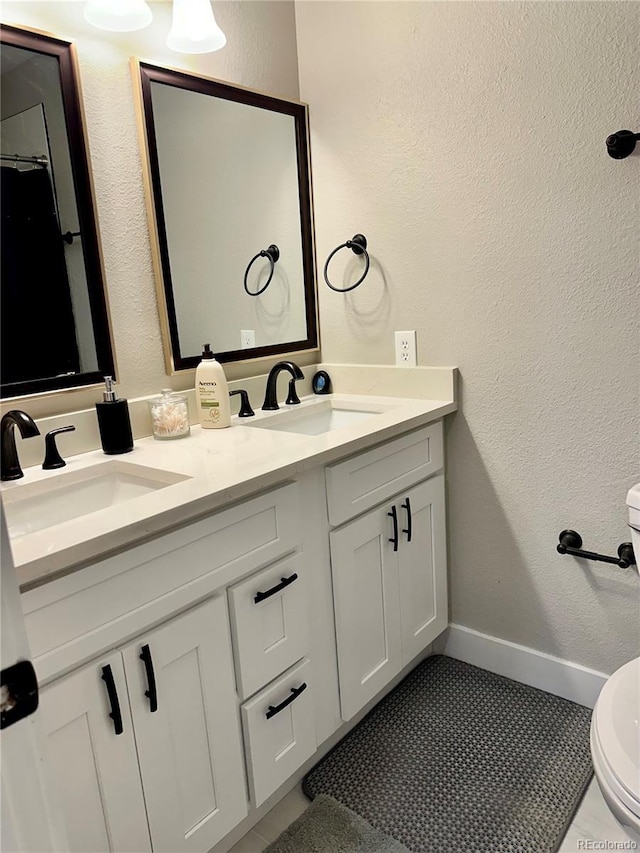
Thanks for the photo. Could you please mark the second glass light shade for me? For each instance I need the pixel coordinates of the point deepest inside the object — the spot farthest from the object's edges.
(194, 28)
(118, 15)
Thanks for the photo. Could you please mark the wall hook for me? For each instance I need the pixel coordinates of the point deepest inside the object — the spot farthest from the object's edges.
(621, 144)
(570, 542)
(358, 245)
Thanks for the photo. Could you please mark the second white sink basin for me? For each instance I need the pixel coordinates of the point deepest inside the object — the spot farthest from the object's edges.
(31, 507)
(319, 417)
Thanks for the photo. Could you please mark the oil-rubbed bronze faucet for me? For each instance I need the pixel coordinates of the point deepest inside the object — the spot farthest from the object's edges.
(10, 465)
(270, 397)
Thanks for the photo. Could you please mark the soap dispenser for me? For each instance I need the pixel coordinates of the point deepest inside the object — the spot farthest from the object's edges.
(114, 422)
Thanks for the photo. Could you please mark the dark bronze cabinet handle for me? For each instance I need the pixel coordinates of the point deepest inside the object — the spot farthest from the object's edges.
(151, 693)
(284, 582)
(408, 529)
(394, 515)
(116, 716)
(295, 692)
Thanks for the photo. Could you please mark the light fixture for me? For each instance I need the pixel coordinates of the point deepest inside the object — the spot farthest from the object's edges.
(194, 29)
(118, 15)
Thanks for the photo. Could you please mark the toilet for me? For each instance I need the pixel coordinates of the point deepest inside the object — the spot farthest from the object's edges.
(615, 725)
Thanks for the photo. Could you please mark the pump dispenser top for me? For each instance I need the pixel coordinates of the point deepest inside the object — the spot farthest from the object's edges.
(109, 394)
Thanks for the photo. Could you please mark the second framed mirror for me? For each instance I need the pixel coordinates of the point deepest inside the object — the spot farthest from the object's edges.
(55, 333)
(229, 199)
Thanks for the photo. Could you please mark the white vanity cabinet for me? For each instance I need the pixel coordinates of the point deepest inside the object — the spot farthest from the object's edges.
(389, 564)
(153, 723)
(190, 676)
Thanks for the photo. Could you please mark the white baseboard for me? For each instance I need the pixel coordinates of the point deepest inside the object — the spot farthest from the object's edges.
(553, 675)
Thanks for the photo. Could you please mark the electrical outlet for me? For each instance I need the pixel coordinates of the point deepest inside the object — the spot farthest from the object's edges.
(406, 349)
(247, 338)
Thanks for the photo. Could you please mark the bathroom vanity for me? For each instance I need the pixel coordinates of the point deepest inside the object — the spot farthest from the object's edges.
(201, 645)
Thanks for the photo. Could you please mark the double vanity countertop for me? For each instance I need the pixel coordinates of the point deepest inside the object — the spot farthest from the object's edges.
(204, 472)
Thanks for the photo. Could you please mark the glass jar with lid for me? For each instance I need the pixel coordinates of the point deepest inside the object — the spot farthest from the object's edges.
(169, 415)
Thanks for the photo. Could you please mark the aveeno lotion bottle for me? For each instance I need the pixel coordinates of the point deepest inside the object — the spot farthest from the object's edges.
(212, 392)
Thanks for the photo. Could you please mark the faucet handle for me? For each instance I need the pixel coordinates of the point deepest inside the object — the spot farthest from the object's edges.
(52, 458)
(292, 396)
(245, 406)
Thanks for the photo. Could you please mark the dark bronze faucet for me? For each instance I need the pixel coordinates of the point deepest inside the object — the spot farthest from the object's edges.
(271, 397)
(10, 465)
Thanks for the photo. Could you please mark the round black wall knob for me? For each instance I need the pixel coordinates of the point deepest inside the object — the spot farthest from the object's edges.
(621, 144)
(569, 539)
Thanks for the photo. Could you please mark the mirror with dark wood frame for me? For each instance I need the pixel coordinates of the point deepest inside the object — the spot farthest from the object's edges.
(229, 197)
(54, 317)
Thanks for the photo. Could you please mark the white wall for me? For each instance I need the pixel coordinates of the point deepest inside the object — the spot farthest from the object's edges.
(466, 141)
(260, 53)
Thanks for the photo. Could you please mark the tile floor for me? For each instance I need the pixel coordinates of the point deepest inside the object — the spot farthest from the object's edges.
(592, 822)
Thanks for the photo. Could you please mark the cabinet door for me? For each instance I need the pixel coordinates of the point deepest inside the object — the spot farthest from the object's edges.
(189, 747)
(95, 769)
(364, 568)
(422, 566)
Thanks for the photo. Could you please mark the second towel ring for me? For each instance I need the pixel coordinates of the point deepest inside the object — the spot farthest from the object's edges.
(273, 253)
(358, 245)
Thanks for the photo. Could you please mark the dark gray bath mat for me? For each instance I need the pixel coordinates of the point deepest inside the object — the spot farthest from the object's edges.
(328, 827)
(459, 760)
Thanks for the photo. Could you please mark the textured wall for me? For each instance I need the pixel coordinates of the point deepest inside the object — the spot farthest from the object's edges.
(260, 53)
(466, 140)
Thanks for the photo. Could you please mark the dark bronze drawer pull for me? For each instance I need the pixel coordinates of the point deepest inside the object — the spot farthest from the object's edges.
(295, 692)
(151, 693)
(116, 716)
(284, 582)
(394, 515)
(407, 505)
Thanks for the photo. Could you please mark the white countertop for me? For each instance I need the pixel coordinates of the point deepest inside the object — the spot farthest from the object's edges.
(221, 466)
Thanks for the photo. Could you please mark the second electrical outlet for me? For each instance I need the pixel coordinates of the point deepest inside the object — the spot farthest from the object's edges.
(406, 349)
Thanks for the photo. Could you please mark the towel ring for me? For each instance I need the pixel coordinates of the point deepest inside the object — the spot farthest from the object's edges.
(358, 246)
(273, 253)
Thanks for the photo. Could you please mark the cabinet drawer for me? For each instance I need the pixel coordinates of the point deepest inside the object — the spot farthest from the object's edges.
(365, 480)
(279, 731)
(269, 625)
(78, 616)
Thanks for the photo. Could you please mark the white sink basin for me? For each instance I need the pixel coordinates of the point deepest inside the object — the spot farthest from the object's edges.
(30, 507)
(319, 417)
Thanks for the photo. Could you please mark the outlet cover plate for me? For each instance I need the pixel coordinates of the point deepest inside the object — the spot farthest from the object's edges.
(247, 339)
(406, 355)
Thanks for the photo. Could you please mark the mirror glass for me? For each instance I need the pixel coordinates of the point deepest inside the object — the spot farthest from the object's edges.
(54, 323)
(228, 177)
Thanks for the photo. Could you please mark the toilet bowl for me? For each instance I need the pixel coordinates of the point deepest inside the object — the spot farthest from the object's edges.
(615, 746)
(615, 725)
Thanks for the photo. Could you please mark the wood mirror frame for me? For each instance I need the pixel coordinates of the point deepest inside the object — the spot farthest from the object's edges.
(144, 75)
(64, 53)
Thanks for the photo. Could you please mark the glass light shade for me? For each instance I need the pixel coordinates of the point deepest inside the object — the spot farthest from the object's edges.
(194, 29)
(119, 16)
